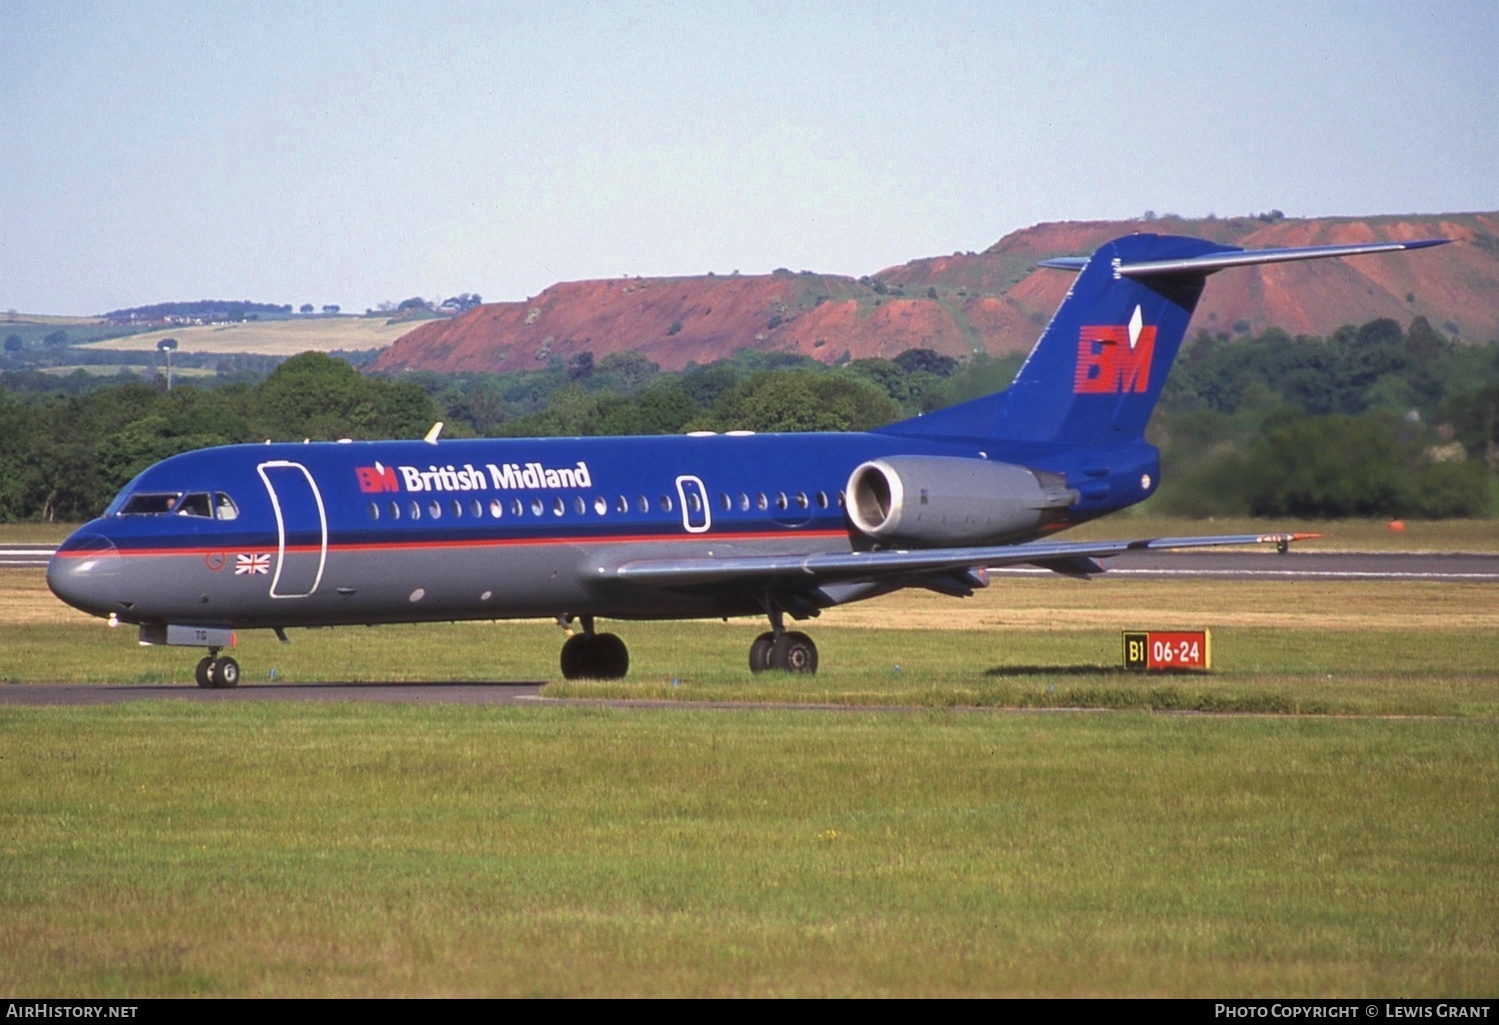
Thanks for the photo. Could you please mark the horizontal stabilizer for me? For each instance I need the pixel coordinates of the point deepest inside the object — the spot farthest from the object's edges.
(1211, 262)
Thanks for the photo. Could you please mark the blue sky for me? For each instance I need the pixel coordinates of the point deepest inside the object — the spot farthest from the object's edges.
(360, 152)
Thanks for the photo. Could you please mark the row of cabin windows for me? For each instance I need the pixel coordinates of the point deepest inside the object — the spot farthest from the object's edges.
(499, 508)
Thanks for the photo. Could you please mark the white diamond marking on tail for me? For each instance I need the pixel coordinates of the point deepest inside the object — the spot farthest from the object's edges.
(1136, 322)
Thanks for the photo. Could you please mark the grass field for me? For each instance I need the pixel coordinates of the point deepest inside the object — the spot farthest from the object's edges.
(166, 848)
(270, 337)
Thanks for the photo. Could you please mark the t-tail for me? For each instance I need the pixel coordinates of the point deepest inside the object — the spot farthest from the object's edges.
(1098, 369)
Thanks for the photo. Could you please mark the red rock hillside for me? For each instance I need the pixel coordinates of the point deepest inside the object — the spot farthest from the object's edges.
(995, 301)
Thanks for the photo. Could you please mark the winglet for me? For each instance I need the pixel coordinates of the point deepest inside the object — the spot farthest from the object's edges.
(431, 438)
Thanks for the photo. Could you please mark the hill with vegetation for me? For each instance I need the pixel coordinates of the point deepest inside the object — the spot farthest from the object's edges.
(993, 303)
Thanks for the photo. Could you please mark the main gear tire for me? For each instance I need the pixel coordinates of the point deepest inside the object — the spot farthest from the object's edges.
(759, 652)
(794, 652)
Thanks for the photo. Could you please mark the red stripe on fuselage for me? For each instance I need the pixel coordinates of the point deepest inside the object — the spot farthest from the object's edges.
(394, 546)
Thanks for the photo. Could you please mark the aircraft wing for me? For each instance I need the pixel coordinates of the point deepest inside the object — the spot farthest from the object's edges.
(805, 572)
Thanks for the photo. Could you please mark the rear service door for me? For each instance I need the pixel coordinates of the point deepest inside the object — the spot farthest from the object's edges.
(301, 528)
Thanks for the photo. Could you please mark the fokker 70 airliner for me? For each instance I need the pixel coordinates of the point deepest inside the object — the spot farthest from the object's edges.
(287, 535)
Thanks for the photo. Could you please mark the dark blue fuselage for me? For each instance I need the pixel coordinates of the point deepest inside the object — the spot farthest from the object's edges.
(336, 533)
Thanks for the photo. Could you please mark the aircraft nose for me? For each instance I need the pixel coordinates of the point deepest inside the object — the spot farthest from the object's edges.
(84, 572)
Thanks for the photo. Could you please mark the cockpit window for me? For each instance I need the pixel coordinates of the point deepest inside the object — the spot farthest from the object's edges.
(210, 505)
(196, 504)
(150, 504)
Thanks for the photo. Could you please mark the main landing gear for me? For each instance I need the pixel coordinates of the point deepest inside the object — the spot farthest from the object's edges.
(790, 651)
(593, 656)
(217, 673)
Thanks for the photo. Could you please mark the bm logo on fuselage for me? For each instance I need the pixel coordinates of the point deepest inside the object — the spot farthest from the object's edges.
(377, 478)
(1112, 360)
(501, 477)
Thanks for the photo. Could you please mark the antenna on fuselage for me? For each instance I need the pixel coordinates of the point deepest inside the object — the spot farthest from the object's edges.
(431, 438)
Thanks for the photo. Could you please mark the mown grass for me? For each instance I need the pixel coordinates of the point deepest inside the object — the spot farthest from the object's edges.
(1367, 647)
(275, 849)
(1274, 671)
(283, 849)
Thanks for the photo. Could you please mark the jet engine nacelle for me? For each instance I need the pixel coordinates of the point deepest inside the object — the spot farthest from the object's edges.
(939, 500)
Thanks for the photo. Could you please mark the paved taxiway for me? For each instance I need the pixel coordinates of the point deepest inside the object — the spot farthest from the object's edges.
(427, 693)
(1456, 567)
(25, 555)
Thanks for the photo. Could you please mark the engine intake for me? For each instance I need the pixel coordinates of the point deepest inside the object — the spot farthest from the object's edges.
(940, 500)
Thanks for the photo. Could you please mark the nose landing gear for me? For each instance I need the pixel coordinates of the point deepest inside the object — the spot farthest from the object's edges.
(216, 673)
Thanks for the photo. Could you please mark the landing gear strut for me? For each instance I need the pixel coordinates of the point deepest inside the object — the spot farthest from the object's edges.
(790, 651)
(216, 673)
(594, 656)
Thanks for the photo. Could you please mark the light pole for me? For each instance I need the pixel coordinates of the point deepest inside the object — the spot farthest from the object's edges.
(166, 345)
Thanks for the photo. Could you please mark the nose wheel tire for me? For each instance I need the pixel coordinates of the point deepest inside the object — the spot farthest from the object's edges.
(226, 672)
(216, 673)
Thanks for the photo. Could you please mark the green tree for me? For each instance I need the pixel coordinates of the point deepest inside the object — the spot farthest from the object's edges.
(801, 400)
(1329, 466)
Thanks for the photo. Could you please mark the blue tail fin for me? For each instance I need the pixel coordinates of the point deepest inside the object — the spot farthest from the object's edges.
(1099, 365)
(1097, 371)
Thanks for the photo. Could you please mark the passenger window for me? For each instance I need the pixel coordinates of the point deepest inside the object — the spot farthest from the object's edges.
(822, 500)
(728, 503)
(224, 507)
(374, 511)
(743, 502)
(666, 503)
(395, 510)
(536, 507)
(557, 507)
(457, 507)
(780, 499)
(477, 508)
(416, 510)
(580, 505)
(600, 505)
(496, 508)
(801, 500)
(644, 503)
(761, 502)
(516, 508)
(622, 504)
(695, 503)
(434, 509)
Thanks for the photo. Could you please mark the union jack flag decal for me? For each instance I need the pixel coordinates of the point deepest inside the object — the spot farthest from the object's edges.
(245, 565)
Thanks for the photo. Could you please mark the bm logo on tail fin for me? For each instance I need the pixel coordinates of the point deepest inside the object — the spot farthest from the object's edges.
(1113, 359)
